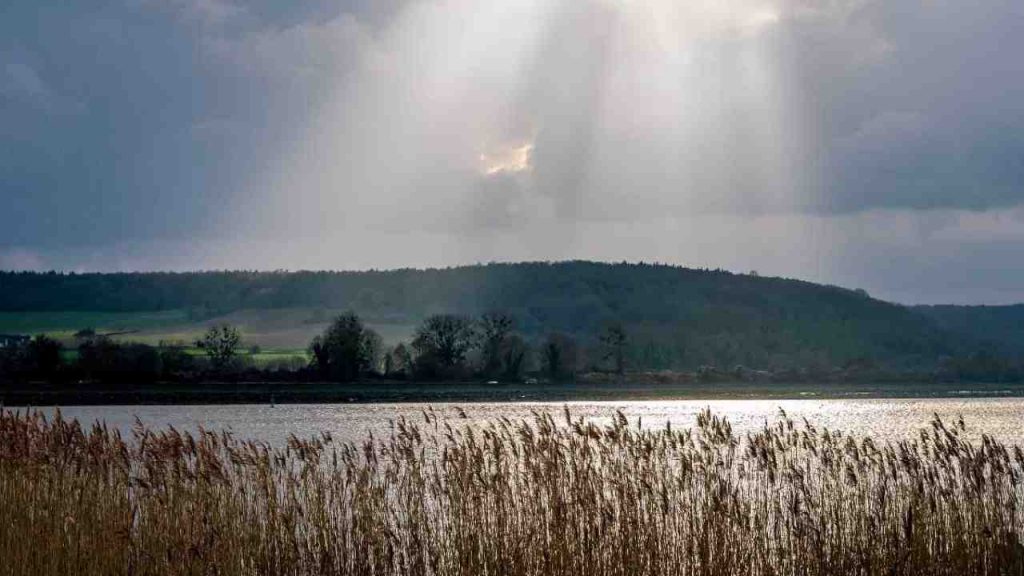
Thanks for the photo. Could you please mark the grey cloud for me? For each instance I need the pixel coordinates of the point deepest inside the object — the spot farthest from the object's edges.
(507, 201)
(20, 259)
(859, 105)
(725, 137)
(561, 100)
(936, 121)
(201, 12)
(19, 80)
(26, 91)
(306, 53)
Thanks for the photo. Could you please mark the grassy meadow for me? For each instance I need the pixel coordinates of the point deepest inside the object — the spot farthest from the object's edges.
(552, 495)
(63, 325)
(281, 335)
(280, 329)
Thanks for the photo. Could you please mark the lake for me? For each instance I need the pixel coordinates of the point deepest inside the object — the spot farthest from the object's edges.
(886, 419)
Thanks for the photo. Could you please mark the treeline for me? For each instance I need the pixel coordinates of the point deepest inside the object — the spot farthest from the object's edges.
(677, 318)
(102, 359)
(456, 347)
(998, 329)
(445, 347)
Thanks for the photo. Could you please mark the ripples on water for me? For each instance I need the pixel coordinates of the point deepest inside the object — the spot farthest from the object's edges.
(888, 419)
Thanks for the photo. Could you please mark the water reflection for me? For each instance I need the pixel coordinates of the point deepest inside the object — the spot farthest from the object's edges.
(888, 419)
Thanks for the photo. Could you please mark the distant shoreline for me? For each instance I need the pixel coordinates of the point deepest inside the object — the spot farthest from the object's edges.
(469, 392)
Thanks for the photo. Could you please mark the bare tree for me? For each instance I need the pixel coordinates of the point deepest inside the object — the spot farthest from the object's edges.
(398, 360)
(373, 349)
(559, 355)
(441, 344)
(513, 356)
(613, 340)
(494, 330)
(221, 345)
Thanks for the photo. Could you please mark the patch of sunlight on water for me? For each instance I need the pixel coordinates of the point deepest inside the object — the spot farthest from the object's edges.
(885, 419)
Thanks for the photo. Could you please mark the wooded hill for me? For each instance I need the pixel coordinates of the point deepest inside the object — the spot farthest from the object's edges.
(675, 317)
(997, 328)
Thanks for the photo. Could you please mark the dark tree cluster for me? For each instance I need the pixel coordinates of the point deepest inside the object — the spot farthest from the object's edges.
(96, 358)
(40, 357)
(442, 344)
(982, 366)
(100, 358)
(444, 347)
(346, 351)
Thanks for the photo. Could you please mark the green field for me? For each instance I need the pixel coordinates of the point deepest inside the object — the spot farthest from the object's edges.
(285, 358)
(67, 323)
(279, 333)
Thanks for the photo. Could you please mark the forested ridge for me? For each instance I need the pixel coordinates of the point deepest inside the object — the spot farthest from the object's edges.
(999, 328)
(675, 317)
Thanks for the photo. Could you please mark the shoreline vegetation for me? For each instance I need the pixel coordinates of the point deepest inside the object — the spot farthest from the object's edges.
(449, 358)
(550, 495)
(673, 318)
(244, 392)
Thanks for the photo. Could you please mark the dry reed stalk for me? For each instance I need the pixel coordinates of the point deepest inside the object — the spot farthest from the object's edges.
(534, 497)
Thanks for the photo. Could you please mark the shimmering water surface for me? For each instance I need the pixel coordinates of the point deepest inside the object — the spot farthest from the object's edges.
(886, 419)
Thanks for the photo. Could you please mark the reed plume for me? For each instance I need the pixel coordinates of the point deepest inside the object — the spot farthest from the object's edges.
(549, 495)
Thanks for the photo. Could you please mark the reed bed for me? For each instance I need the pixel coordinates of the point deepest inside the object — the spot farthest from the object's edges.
(551, 495)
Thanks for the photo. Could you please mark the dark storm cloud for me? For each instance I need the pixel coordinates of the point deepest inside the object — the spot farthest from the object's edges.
(936, 120)
(119, 122)
(774, 134)
(96, 141)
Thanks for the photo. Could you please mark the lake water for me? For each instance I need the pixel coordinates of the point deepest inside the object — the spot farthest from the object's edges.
(887, 419)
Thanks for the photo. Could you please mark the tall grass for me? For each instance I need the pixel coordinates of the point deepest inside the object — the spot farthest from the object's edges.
(547, 496)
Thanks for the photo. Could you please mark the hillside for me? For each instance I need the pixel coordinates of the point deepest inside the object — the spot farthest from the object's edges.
(1000, 328)
(676, 317)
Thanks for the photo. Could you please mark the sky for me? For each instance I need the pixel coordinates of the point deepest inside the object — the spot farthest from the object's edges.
(875, 144)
